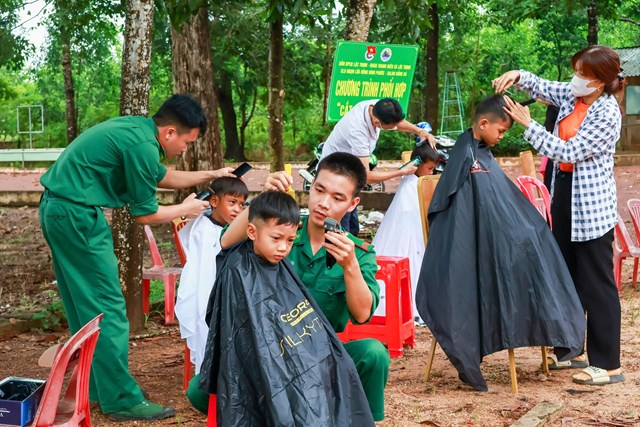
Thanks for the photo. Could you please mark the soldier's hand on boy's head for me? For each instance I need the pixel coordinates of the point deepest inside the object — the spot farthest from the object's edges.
(341, 247)
(221, 173)
(519, 113)
(279, 181)
(192, 206)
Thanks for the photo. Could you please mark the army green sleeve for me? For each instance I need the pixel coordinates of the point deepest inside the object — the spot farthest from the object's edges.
(142, 172)
(369, 268)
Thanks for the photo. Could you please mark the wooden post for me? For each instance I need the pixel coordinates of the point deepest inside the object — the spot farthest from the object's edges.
(432, 353)
(527, 164)
(512, 371)
(545, 363)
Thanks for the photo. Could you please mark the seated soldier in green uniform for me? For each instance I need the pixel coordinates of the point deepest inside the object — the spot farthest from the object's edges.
(348, 289)
(113, 164)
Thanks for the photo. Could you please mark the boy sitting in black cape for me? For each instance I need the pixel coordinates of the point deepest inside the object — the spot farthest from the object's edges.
(492, 277)
(272, 357)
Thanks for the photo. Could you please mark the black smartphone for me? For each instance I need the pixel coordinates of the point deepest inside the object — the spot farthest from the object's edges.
(242, 169)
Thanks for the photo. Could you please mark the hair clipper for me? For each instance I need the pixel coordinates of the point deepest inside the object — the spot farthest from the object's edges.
(331, 224)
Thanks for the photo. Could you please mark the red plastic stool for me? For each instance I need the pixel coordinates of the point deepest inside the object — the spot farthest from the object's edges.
(396, 327)
(211, 414)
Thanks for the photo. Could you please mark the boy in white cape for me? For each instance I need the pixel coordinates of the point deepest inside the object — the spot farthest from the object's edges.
(400, 233)
(200, 239)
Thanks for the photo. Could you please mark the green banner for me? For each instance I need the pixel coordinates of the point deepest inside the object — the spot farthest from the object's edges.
(370, 71)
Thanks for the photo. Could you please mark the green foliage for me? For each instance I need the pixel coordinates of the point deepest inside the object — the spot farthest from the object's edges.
(392, 144)
(88, 24)
(51, 314)
(478, 39)
(512, 144)
(24, 93)
(303, 131)
(156, 291)
(180, 11)
(14, 48)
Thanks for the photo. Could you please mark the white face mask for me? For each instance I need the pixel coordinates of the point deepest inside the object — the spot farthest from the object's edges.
(579, 87)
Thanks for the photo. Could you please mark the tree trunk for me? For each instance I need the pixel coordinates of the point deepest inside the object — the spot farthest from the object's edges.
(69, 93)
(276, 94)
(358, 19)
(229, 119)
(134, 100)
(193, 73)
(592, 22)
(326, 72)
(431, 93)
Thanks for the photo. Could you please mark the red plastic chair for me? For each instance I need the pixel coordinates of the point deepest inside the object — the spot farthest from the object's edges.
(159, 272)
(177, 225)
(76, 356)
(623, 247)
(397, 327)
(537, 194)
(634, 211)
(212, 414)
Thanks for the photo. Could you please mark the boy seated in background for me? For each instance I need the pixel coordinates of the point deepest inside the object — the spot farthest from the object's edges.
(492, 277)
(400, 233)
(200, 239)
(272, 357)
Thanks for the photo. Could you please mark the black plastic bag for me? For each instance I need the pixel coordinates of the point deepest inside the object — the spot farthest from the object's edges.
(492, 276)
(272, 357)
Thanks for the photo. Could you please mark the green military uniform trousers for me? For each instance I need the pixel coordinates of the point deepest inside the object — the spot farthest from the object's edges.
(86, 269)
(372, 362)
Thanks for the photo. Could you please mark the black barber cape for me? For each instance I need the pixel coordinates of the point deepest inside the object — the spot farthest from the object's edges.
(272, 357)
(492, 276)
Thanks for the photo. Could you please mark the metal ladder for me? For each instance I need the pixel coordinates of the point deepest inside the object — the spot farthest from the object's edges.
(452, 109)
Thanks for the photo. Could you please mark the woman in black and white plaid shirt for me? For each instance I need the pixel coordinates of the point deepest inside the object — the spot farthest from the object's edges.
(584, 203)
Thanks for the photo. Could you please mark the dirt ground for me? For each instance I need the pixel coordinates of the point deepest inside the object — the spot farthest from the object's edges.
(156, 358)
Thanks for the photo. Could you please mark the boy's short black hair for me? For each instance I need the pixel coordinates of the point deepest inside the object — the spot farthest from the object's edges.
(492, 108)
(184, 111)
(426, 153)
(348, 165)
(388, 111)
(229, 185)
(275, 205)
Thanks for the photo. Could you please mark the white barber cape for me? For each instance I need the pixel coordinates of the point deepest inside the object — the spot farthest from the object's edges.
(400, 234)
(200, 239)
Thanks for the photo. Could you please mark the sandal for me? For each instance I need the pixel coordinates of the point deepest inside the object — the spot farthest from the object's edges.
(598, 376)
(555, 365)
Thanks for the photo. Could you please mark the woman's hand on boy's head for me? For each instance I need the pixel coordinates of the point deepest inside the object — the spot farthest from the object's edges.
(519, 114)
(505, 81)
(278, 181)
(341, 247)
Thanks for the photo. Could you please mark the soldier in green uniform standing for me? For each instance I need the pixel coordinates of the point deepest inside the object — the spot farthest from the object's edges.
(113, 164)
(348, 290)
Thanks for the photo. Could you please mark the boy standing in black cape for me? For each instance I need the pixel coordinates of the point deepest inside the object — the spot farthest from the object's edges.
(272, 357)
(492, 277)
